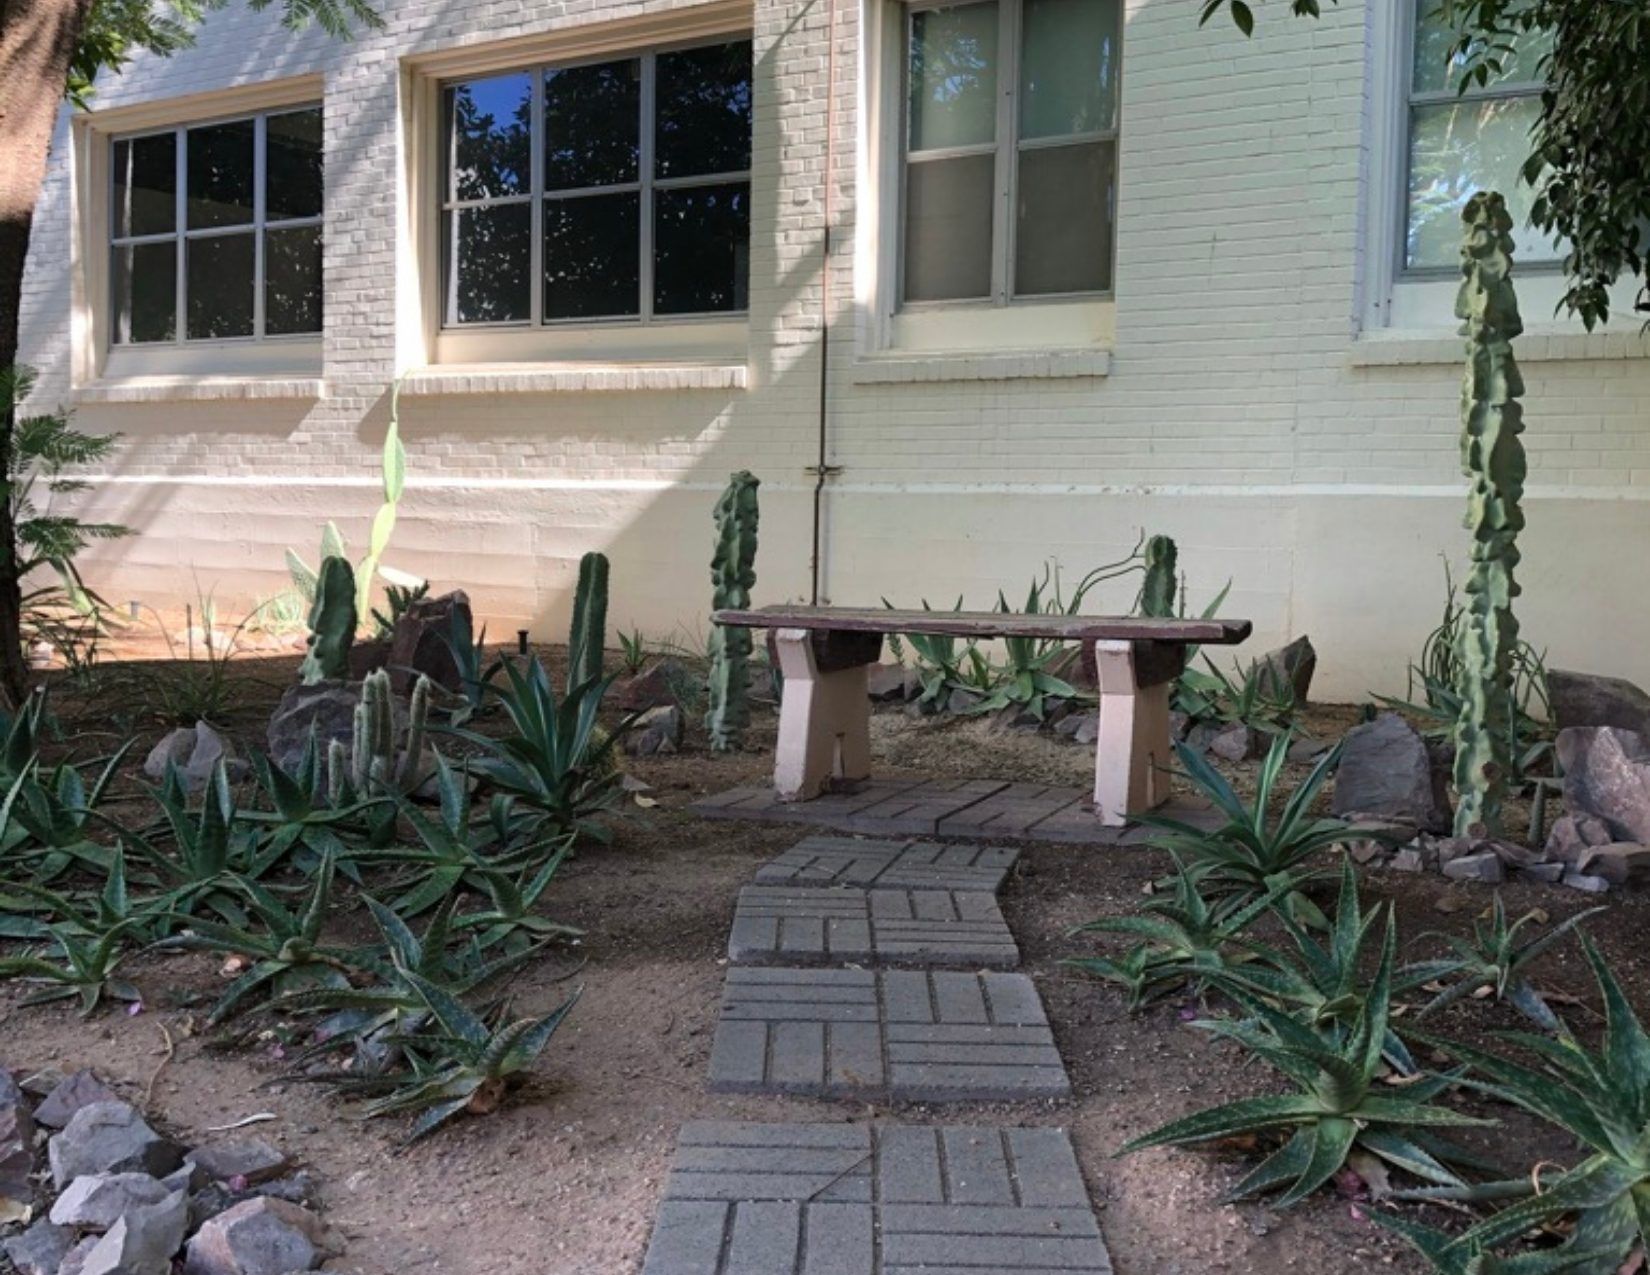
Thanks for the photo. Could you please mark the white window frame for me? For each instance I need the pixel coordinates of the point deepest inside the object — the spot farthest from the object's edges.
(1007, 147)
(536, 197)
(181, 235)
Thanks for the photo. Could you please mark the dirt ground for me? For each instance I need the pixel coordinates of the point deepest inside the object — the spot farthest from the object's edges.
(565, 1179)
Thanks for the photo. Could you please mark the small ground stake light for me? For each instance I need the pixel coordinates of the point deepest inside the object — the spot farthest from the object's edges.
(133, 608)
(521, 641)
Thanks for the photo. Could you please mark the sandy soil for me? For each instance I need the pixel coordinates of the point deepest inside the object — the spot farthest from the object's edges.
(564, 1180)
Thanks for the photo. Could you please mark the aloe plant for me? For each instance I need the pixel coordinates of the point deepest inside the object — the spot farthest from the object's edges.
(1494, 959)
(303, 824)
(88, 970)
(469, 654)
(1336, 1104)
(1602, 1099)
(1254, 698)
(511, 917)
(1451, 1255)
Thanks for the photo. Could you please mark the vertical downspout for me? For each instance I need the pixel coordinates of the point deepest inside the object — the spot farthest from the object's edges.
(822, 468)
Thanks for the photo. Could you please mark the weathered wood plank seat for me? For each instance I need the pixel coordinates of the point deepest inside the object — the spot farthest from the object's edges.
(825, 715)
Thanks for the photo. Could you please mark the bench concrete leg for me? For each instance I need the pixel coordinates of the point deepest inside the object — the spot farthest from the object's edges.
(1132, 753)
(824, 722)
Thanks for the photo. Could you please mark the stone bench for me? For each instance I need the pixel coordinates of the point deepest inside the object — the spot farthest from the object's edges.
(826, 652)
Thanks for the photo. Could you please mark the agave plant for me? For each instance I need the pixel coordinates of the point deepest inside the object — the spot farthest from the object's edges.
(466, 1063)
(50, 817)
(98, 914)
(1186, 938)
(88, 971)
(1494, 959)
(1602, 1099)
(1253, 852)
(282, 953)
(556, 759)
(1254, 697)
(1454, 1255)
(303, 824)
(1336, 1105)
(511, 917)
(469, 653)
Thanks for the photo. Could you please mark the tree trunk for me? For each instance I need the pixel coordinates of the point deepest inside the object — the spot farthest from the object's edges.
(37, 41)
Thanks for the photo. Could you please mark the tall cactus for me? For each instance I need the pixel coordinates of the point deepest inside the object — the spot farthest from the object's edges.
(1157, 590)
(1492, 457)
(377, 760)
(331, 623)
(588, 634)
(732, 573)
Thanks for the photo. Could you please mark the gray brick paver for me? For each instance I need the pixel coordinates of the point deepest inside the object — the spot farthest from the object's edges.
(793, 925)
(886, 863)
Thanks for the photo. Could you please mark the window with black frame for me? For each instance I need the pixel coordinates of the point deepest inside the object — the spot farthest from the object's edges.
(606, 190)
(215, 230)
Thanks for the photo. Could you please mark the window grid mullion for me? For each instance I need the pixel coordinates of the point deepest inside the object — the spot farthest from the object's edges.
(1002, 221)
(260, 138)
(649, 97)
(535, 214)
(181, 207)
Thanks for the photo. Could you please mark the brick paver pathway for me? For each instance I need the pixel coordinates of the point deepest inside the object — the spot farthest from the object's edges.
(791, 925)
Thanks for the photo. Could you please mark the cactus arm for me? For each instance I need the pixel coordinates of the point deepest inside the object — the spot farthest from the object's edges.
(588, 633)
(1492, 457)
(732, 573)
(331, 623)
(418, 713)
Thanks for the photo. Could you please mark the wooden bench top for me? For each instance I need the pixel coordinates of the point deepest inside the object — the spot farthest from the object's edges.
(990, 624)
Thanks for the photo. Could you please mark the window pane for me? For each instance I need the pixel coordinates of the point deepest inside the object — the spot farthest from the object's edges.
(953, 76)
(704, 110)
(701, 249)
(592, 125)
(490, 123)
(1457, 148)
(219, 159)
(1062, 231)
(292, 165)
(1434, 70)
(218, 286)
(1068, 67)
(292, 280)
(948, 228)
(145, 185)
(144, 280)
(489, 263)
(592, 256)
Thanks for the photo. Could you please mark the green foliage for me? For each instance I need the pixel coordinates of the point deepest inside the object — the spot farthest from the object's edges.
(1450, 1255)
(303, 824)
(397, 598)
(1157, 589)
(732, 576)
(1334, 1106)
(1602, 1099)
(1254, 698)
(588, 633)
(331, 623)
(1023, 678)
(632, 652)
(1492, 457)
(470, 659)
(1495, 959)
(88, 969)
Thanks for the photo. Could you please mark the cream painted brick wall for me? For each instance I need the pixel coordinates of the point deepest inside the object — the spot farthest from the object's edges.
(1238, 413)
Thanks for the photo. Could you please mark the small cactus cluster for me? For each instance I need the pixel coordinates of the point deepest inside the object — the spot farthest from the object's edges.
(1157, 590)
(732, 573)
(375, 760)
(331, 623)
(1492, 457)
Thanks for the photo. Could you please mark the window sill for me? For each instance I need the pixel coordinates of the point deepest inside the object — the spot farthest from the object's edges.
(202, 389)
(907, 369)
(581, 378)
(1404, 347)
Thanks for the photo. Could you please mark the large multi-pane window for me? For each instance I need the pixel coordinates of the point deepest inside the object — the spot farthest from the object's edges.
(215, 230)
(1462, 142)
(1010, 149)
(617, 189)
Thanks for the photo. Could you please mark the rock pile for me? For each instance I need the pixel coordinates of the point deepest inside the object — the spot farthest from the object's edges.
(118, 1198)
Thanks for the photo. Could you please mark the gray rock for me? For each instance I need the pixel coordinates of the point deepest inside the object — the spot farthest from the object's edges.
(1367, 852)
(886, 681)
(195, 751)
(69, 1095)
(258, 1237)
(16, 1161)
(1179, 724)
(658, 730)
(962, 700)
(654, 687)
(368, 655)
(1512, 854)
(327, 708)
(1305, 751)
(251, 1159)
(1607, 775)
(141, 1241)
(1587, 699)
(109, 1137)
(1407, 860)
(1547, 871)
(1289, 668)
(1621, 863)
(1235, 742)
(1587, 882)
(1572, 835)
(93, 1201)
(42, 1082)
(419, 643)
(74, 1261)
(1385, 771)
(1482, 866)
(40, 1250)
(1088, 728)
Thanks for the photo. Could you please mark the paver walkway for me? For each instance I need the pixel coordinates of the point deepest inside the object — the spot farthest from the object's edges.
(833, 1199)
(889, 865)
(794, 925)
(925, 1036)
(977, 808)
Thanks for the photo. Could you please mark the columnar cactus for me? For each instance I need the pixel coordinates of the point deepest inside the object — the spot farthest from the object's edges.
(588, 634)
(732, 573)
(331, 623)
(376, 761)
(1158, 589)
(1492, 457)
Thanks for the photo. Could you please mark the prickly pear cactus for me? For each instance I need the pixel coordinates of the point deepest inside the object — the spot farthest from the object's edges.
(732, 573)
(588, 634)
(1158, 588)
(1492, 457)
(331, 623)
